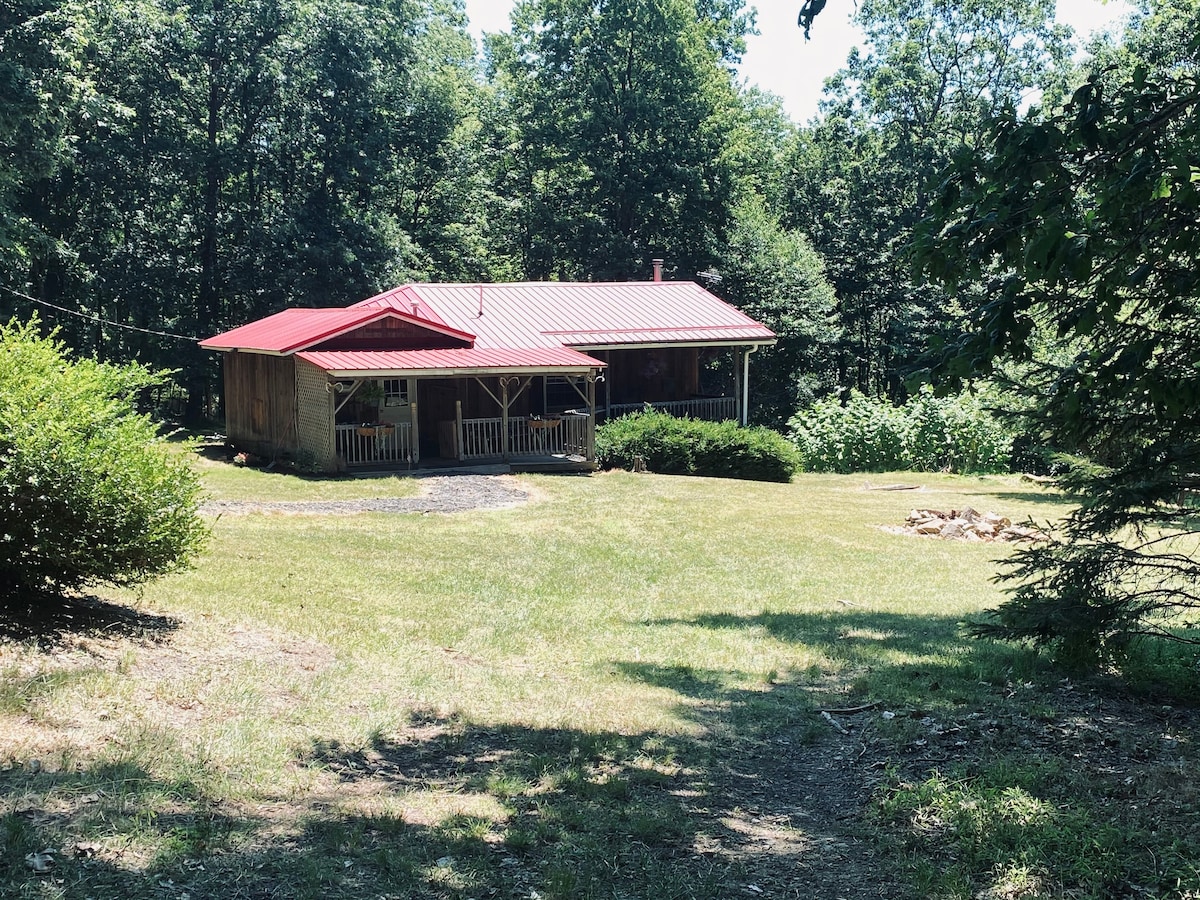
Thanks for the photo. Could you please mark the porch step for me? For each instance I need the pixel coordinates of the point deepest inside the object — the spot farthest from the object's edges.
(539, 466)
(486, 469)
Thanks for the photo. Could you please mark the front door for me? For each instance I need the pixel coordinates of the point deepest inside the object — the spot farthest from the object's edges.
(437, 414)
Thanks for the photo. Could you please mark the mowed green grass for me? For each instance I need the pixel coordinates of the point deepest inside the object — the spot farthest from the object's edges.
(542, 700)
(224, 481)
(565, 612)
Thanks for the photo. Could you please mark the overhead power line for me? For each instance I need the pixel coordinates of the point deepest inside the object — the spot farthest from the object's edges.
(92, 318)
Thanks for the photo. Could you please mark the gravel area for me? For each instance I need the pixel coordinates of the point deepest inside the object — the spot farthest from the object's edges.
(439, 494)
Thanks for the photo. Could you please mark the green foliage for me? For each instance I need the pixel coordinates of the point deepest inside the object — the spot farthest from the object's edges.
(674, 446)
(774, 275)
(231, 158)
(38, 85)
(862, 176)
(928, 434)
(614, 142)
(1085, 223)
(955, 434)
(864, 435)
(88, 491)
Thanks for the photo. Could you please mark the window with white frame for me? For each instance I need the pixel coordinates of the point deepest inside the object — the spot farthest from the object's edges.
(395, 392)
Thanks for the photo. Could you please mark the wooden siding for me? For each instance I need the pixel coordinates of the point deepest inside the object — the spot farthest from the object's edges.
(260, 403)
(392, 334)
(657, 374)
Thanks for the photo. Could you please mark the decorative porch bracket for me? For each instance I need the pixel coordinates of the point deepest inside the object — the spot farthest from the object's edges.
(354, 386)
(505, 402)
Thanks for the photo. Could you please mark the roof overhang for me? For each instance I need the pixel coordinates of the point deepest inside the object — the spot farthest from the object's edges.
(640, 345)
(451, 363)
(461, 372)
(292, 330)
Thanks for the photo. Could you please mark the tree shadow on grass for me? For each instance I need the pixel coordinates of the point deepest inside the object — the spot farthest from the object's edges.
(50, 620)
(441, 809)
(946, 732)
(1040, 498)
(901, 659)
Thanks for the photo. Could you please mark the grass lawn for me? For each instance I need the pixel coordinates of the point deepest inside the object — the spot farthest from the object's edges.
(611, 691)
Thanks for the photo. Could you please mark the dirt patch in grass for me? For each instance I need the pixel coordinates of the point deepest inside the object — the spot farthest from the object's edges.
(439, 494)
(65, 706)
(1060, 789)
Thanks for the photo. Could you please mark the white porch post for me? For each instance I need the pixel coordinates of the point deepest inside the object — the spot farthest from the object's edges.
(739, 408)
(607, 389)
(591, 431)
(746, 385)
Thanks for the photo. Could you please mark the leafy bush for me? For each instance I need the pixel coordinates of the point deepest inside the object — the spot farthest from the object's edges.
(929, 434)
(88, 490)
(673, 446)
(862, 436)
(954, 434)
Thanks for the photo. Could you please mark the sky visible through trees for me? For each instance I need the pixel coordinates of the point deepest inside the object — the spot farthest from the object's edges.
(779, 61)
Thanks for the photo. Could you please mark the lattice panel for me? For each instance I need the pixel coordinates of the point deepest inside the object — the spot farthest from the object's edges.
(314, 415)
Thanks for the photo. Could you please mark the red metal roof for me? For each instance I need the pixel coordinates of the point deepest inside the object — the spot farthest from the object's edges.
(596, 315)
(294, 329)
(448, 362)
(513, 327)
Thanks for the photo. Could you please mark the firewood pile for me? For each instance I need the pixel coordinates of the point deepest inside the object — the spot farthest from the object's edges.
(967, 525)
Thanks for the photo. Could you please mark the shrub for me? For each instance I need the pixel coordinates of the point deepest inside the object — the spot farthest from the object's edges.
(954, 434)
(862, 436)
(928, 434)
(88, 490)
(673, 446)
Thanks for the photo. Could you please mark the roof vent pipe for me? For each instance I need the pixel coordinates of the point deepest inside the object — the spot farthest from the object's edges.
(416, 309)
(658, 264)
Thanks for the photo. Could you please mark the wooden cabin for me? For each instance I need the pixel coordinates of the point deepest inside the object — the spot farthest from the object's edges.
(443, 374)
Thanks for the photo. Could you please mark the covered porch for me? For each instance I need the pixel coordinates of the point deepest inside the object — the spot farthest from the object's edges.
(458, 419)
(707, 381)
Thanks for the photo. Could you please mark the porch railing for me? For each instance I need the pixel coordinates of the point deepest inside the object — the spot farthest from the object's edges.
(712, 409)
(362, 445)
(527, 436)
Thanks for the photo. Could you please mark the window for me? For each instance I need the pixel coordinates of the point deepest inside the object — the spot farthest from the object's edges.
(563, 392)
(395, 392)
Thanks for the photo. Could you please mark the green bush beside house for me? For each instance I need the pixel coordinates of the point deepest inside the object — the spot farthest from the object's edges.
(89, 491)
(673, 446)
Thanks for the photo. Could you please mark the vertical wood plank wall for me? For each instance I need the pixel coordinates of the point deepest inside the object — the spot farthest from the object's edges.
(260, 403)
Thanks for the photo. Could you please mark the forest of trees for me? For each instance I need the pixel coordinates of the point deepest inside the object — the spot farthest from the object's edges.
(183, 166)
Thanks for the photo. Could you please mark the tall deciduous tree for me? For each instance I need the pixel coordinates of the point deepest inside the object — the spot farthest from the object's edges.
(774, 275)
(233, 157)
(613, 144)
(863, 175)
(39, 86)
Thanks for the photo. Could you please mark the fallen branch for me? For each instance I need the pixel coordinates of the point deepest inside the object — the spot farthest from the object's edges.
(851, 711)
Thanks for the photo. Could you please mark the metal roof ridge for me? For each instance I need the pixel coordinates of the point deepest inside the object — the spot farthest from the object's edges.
(732, 326)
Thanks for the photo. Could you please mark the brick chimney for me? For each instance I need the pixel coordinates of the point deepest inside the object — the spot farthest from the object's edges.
(658, 264)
